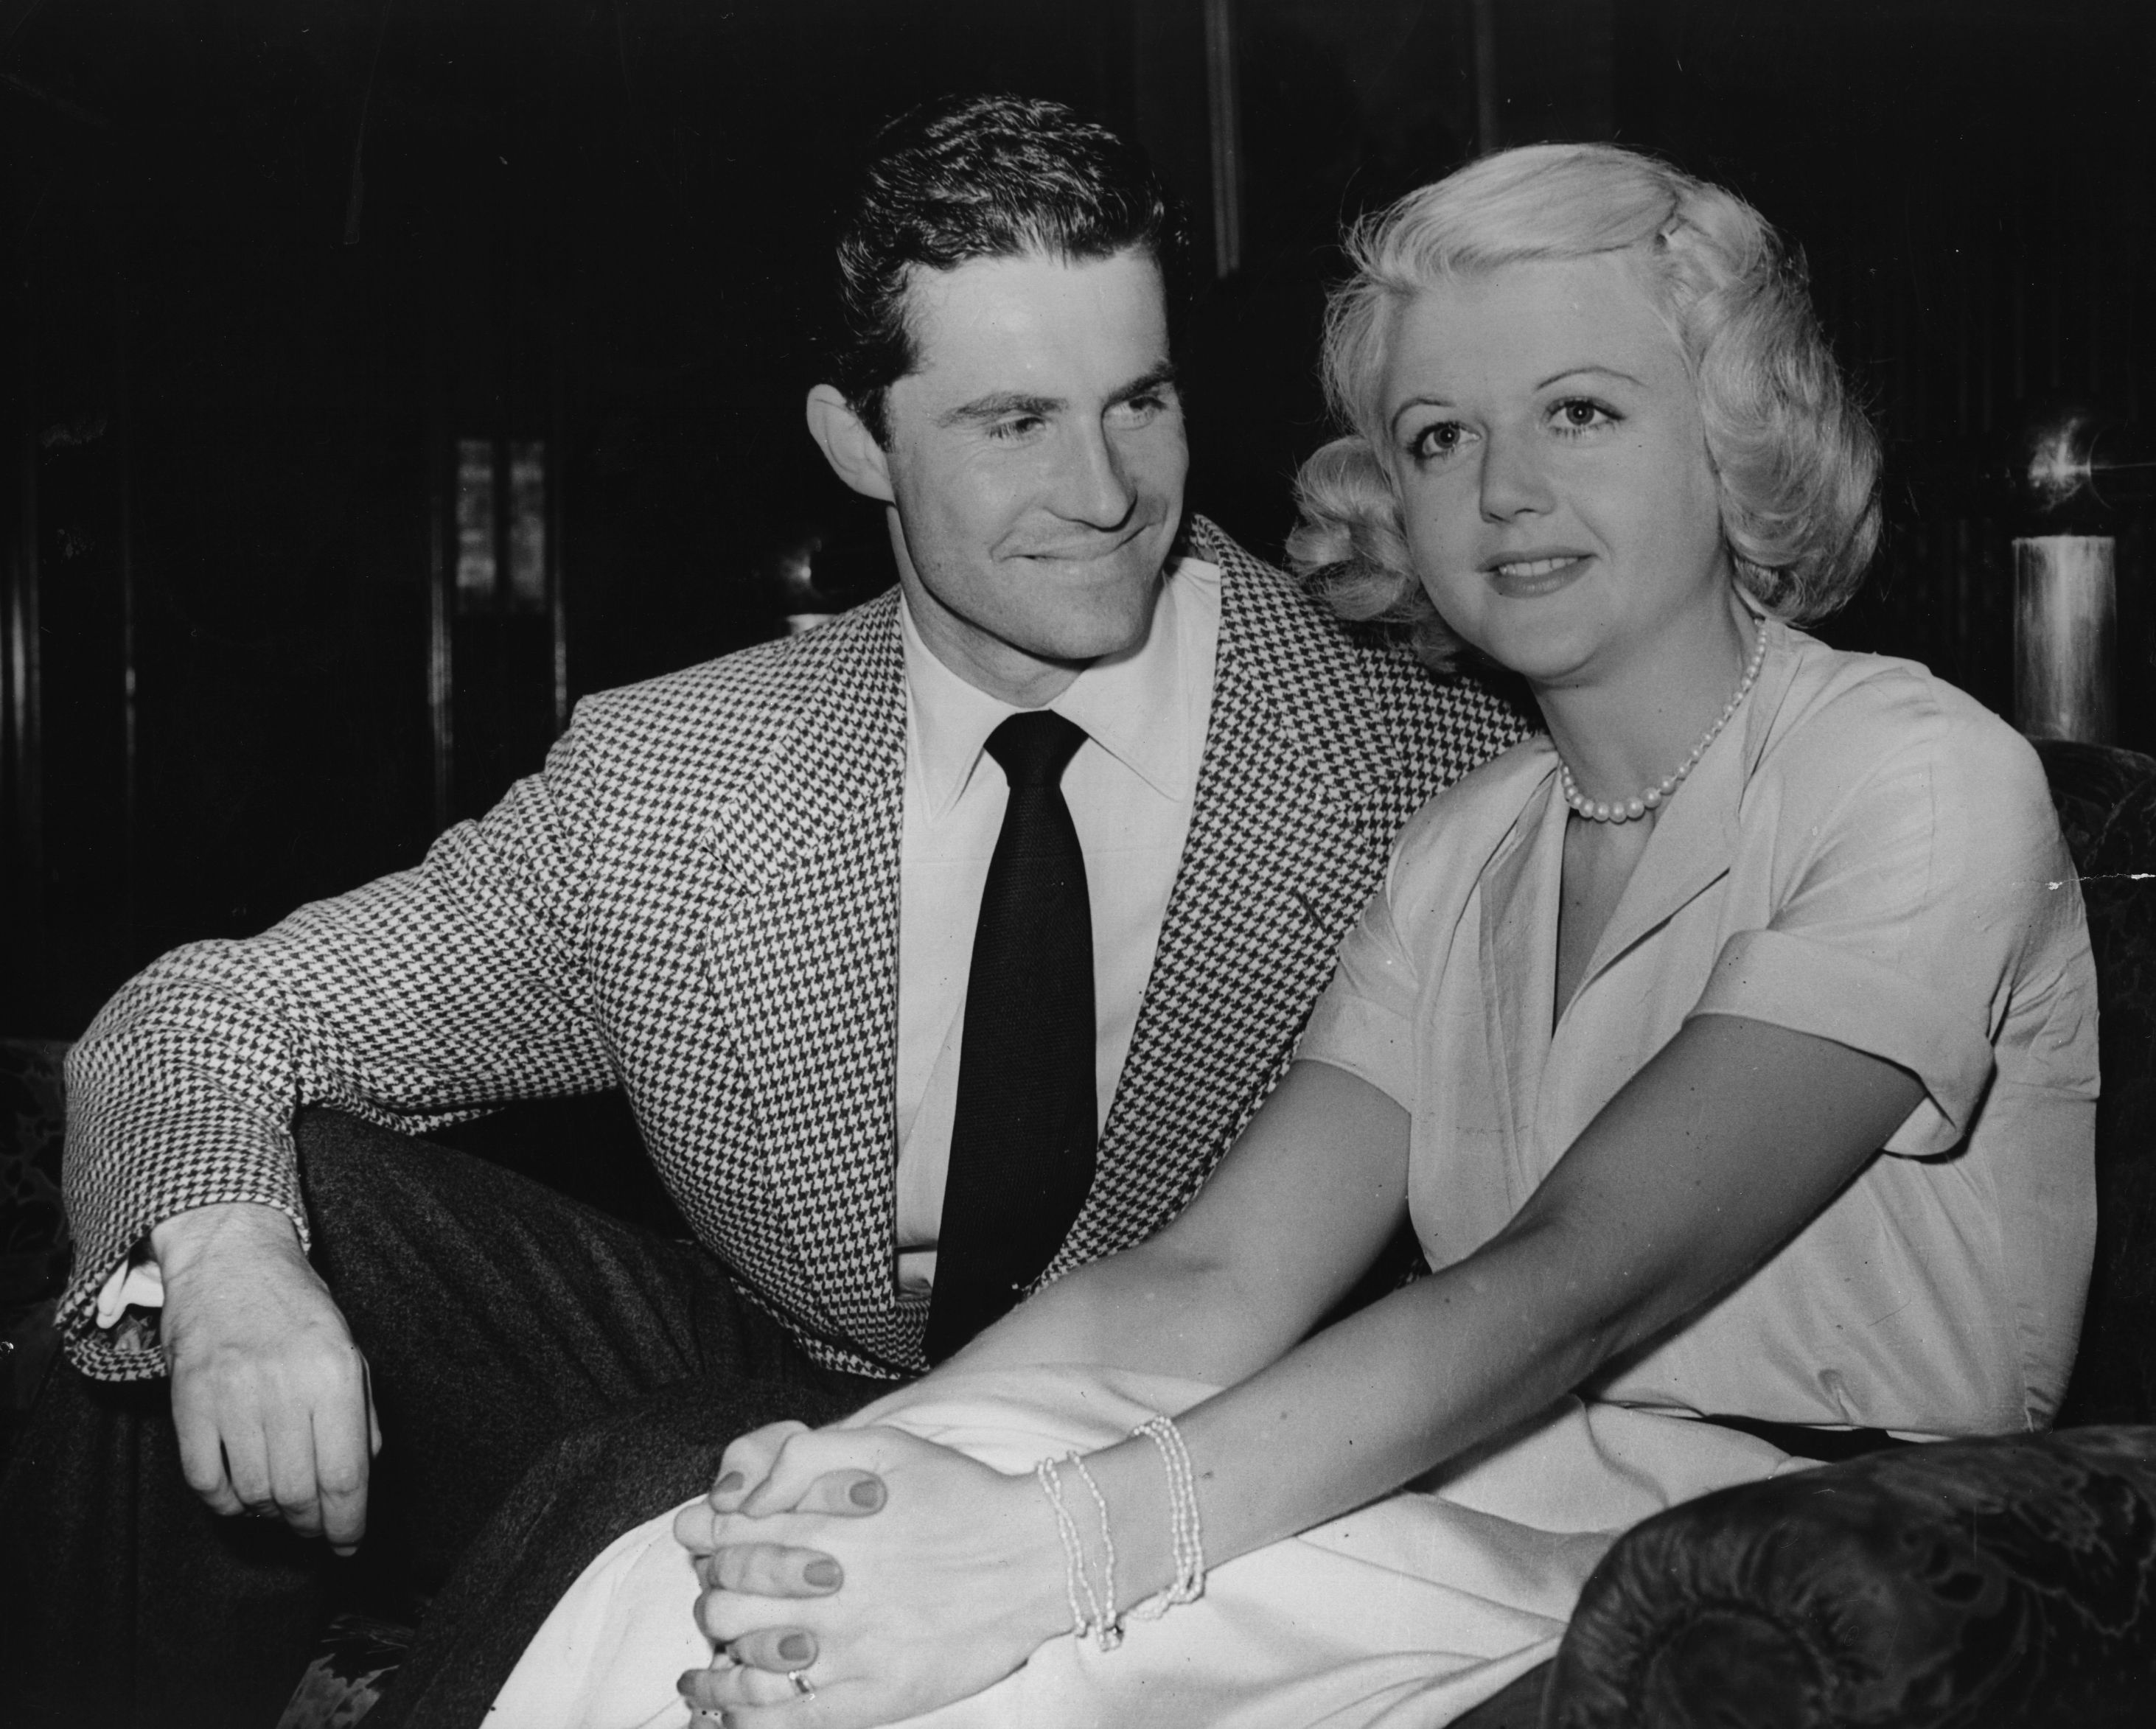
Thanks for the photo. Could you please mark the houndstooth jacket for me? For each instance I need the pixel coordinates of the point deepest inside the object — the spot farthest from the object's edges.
(697, 899)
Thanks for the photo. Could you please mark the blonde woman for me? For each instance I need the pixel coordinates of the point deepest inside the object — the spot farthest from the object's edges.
(1731, 1048)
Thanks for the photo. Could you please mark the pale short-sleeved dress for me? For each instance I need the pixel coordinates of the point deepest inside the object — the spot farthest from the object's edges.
(1864, 854)
(1867, 855)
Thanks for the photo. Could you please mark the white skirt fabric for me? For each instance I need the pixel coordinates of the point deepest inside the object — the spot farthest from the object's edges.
(1399, 1616)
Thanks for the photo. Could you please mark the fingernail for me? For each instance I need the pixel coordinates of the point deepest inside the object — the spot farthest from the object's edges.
(795, 1647)
(824, 1574)
(729, 1483)
(867, 1492)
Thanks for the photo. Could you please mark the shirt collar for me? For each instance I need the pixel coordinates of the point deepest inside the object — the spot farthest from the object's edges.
(1131, 704)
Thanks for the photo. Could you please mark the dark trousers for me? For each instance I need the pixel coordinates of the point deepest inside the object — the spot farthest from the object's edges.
(546, 1377)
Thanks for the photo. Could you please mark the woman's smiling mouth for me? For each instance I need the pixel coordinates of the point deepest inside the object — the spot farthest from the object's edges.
(1523, 579)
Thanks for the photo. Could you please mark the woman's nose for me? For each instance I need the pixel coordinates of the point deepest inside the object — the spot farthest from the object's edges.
(1513, 483)
(1093, 485)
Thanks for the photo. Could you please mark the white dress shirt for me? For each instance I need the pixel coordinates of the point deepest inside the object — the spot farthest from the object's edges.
(1129, 787)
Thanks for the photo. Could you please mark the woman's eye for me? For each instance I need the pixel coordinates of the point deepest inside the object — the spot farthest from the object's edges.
(1439, 439)
(1576, 415)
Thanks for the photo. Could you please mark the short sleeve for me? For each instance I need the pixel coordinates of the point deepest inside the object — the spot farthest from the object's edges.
(1918, 904)
(1365, 1021)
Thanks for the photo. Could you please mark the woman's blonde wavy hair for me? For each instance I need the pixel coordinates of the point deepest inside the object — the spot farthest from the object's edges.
(1796, 460)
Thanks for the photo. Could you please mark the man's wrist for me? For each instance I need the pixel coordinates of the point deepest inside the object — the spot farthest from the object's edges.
(222, 1226)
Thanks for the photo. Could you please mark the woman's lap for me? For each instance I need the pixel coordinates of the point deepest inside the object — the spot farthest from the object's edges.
(1411, 1611)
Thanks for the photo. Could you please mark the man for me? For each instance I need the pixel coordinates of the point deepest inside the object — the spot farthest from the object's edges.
(938, 951)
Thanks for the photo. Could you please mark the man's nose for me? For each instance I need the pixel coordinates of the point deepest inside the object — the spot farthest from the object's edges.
(1513, 482)
(1092, 480)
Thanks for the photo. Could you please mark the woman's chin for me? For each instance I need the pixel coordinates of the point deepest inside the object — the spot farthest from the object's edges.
(1543, 660)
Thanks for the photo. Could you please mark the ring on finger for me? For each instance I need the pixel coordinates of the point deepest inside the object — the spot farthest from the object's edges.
(799, 1680)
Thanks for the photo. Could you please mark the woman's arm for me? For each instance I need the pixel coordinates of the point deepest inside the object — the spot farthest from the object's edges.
(1731, 1139)
(1298, 1210)
(1726, 1144)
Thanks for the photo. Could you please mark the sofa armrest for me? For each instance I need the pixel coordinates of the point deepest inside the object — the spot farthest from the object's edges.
(2006, 1580)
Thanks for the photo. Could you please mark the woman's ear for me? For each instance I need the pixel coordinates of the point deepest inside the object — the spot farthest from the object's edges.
(848, 445)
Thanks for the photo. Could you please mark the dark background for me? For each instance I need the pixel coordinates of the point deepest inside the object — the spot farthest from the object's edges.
(267, 260)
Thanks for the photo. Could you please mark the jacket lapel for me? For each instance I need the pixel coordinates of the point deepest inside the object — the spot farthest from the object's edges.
(1283, 825)
(803, 956)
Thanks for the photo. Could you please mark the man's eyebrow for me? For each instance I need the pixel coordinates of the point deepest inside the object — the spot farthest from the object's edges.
(997, 404)
(1151, 380)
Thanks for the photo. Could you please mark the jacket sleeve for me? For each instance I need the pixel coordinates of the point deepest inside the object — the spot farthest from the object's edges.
(430, 995)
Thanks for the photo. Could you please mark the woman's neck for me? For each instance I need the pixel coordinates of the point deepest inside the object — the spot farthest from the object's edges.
(1628, 728)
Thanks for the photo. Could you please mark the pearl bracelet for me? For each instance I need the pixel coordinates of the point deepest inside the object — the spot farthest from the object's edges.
(1186, 1538)
(1085, 1617)
(1093, 1613)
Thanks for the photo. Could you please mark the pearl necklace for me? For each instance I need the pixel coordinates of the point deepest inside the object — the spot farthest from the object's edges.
(1630, 810)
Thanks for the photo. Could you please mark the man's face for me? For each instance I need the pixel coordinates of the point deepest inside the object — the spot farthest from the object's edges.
(1036, 461)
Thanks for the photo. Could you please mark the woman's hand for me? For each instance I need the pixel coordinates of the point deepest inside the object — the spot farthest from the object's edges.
(951, 1584)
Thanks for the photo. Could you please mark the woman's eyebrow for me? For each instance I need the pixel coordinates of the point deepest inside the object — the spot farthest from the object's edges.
(1393, 422)
(1575, 372)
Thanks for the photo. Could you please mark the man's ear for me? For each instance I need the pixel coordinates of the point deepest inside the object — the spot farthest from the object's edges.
(848, 445)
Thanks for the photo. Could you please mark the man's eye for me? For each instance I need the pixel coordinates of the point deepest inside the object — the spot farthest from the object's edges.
(1137, 410)
(1015, 426)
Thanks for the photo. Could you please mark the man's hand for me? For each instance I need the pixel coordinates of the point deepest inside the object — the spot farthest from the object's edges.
(269, 1393)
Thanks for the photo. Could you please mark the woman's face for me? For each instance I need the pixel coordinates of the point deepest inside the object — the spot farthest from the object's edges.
(1546, 441)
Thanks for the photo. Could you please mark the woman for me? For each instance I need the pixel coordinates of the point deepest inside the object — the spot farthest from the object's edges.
(1731, 1048)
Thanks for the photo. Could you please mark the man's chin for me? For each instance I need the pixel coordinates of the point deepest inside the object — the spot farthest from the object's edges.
(1118, 624)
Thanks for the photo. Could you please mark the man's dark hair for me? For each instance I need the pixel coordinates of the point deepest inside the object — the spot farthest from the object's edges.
(980, 177)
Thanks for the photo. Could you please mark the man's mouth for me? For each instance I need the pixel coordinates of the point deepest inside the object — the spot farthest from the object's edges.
(1086, 552)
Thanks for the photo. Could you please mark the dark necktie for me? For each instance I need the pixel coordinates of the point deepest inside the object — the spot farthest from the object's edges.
(1022, 1136)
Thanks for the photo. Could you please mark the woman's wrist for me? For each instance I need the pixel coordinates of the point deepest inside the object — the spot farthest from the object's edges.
(1038, 1587)
(1138, 1489)
(1127, 1536)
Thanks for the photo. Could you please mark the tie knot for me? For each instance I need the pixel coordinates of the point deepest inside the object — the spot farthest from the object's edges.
(1035, 747)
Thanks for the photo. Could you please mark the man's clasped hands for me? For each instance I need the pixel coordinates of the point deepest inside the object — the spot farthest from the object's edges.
(853, 1577)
